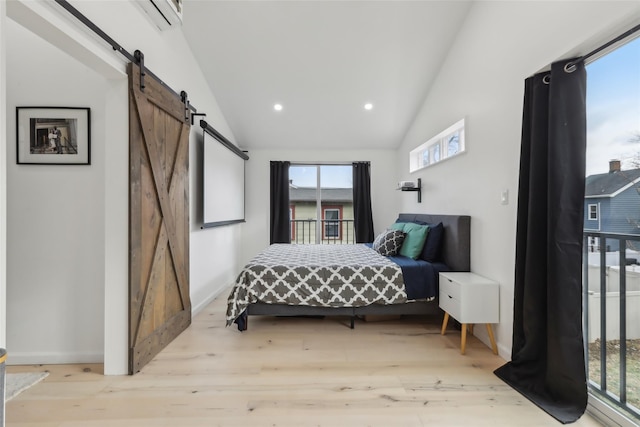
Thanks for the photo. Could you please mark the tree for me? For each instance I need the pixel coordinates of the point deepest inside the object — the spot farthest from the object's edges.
(634, 163)
(634, 160)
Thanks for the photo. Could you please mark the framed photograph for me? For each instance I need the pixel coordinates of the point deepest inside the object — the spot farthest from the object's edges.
(53, 135)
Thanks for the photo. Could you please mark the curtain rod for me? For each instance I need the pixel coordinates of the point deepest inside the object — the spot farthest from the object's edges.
(325, 163)
(115, 45)
(611, 43)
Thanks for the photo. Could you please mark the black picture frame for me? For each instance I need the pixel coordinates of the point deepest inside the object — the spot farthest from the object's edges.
(53, 135)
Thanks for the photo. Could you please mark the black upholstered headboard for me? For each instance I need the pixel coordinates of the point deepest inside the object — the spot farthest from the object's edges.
(456, 245)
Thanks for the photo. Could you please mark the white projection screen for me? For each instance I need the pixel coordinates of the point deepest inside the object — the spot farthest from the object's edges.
(223, 176)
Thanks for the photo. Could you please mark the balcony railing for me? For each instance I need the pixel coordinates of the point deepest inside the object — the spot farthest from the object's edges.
(611, 292)
(332, 231)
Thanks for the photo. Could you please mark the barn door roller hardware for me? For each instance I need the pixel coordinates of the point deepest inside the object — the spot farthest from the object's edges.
(185, 100)
(139, 56)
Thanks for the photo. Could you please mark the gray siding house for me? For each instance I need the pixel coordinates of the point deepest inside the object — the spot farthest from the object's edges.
(336, 215)
(612, 203)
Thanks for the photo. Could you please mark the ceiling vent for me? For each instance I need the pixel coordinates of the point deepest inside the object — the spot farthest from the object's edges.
(165, 14)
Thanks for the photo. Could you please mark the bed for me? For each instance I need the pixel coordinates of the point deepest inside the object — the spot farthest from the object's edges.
(315, 280)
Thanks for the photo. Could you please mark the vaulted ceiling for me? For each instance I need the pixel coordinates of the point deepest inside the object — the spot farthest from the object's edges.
(322, 61)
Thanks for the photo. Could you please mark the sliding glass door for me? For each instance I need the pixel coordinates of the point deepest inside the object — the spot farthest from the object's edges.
(611, 278)
(321, 203)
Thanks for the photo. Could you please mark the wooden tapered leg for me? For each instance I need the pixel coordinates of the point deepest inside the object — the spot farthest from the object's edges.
(463, 339)
(494, 347)
(444, 323)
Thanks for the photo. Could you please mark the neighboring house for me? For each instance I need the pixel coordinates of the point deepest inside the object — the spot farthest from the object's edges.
(336, 210)
(612, 204)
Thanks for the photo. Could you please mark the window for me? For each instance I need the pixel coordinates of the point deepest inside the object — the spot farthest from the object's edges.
(453, 144)
(332, 216)
(435, 152)
(425, 157)
(611, 285)
(448, 143)
(321, 198)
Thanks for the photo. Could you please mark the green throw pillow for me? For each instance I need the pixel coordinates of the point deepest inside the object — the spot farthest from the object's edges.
(397, 226)
(416, 235)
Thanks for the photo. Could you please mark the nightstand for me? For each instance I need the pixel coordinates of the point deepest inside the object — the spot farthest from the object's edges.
(470, 299)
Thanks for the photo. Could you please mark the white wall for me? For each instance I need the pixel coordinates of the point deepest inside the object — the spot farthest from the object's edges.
(482, 80)
(169, 57)
(3, 175)
(55, 242)
(384, 197)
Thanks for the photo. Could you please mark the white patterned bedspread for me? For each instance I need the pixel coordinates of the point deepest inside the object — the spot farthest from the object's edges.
(317, 275)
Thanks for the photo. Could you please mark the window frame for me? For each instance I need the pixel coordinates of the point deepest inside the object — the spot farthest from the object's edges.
(337, 208)
(436, 149)
(292, 224)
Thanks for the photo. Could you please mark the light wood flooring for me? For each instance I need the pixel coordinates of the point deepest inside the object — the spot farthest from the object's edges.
(289, 372)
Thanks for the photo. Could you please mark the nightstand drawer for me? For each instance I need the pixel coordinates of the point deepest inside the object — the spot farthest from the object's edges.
(450, 304)
(449, 287)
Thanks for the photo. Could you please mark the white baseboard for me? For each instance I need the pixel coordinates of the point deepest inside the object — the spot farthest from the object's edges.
(39, 358)
(205, 301)
(55, 358)
(504, 352)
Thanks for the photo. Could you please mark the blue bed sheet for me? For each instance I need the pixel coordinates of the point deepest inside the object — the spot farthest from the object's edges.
(420, 276)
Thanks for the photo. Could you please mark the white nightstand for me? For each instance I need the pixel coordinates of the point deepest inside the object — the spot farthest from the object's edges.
(470, 299)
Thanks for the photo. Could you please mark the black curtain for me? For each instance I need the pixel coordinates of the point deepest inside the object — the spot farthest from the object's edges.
(279, 208)
(362, 216)
(547, 360)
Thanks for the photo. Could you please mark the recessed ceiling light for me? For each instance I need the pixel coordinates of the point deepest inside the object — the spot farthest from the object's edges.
(368, 106)
(277, 107)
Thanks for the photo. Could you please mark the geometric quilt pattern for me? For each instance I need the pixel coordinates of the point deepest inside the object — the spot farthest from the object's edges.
(317, 275)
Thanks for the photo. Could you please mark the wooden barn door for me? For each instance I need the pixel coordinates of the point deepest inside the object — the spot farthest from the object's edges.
(159, 305)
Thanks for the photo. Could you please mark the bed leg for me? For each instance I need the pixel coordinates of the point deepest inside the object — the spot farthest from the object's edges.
(242, 321)
(353, 321)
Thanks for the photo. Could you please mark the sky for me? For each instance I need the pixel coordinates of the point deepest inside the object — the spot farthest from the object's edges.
(331, 176)
(613, 108)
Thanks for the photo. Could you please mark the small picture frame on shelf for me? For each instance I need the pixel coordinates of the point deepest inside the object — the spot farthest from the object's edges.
(53, 135)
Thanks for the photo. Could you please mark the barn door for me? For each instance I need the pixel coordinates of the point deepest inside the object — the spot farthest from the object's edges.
(159, 305)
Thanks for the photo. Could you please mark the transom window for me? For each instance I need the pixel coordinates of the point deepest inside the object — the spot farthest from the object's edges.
(448, 143)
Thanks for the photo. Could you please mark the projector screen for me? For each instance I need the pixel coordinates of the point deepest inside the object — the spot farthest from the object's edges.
(223, 175)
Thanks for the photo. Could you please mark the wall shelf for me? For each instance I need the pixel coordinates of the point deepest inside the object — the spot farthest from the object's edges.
(418, 188)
